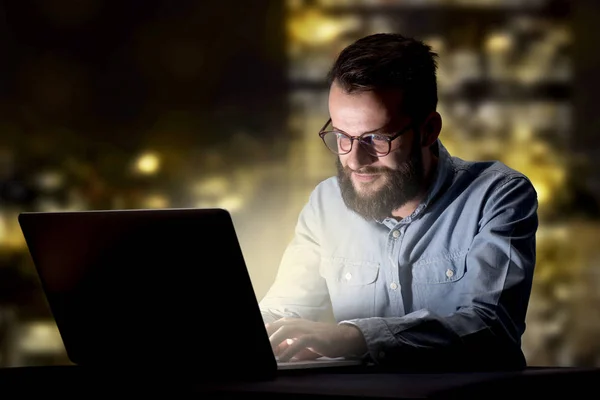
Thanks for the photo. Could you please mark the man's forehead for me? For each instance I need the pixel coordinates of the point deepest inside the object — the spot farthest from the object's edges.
(370, 99)
(365, 111)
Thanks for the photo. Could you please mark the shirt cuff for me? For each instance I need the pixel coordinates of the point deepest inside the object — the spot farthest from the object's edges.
(377, 335)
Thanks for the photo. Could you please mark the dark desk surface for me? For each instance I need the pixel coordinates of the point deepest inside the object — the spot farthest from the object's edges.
(70, 380)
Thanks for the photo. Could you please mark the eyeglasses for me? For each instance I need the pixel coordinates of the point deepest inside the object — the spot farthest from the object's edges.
(340, 143)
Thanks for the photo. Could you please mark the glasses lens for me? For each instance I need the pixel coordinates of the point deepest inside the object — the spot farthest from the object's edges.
(337, 142)
(375, 144)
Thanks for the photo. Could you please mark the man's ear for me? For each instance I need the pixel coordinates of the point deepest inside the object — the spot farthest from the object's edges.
(431, 128)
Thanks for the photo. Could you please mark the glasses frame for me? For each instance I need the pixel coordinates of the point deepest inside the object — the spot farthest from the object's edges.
(323, 132)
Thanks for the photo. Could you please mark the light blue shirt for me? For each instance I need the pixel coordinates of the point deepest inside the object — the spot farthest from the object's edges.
(449, 284)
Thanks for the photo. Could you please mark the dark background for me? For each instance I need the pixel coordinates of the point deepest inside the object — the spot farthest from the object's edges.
(223, 100)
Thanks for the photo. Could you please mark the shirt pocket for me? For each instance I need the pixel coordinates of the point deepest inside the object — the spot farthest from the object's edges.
(351, 285)
(437, 282)
(443, 268)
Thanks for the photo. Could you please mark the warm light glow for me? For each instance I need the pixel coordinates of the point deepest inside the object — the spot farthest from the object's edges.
(231, 203)
(148, 163)
(437, 43)
(11, 236)
(543, 191)
(498, 43)
(523, 133)
(312, 27)
(3, 229)
(214, 186)
(40, 337)
(294, 5)
(156, 201)
(50, 180)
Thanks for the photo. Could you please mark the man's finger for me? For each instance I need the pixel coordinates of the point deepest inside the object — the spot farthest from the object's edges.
(299, 344)
(290, 330)
(284, 333)
(282, 346)
(272, 327)
(306, 354)
(280, 336)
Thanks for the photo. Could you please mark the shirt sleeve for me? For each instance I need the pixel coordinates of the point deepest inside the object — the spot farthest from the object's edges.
(486, 328)
(298, 289)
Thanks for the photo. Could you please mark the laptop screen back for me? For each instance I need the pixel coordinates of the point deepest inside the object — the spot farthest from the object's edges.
(160, 288)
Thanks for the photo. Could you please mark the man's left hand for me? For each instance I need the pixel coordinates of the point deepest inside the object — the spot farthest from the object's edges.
(303, 339)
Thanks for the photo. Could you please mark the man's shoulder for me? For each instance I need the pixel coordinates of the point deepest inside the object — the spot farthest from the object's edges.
(492, 171)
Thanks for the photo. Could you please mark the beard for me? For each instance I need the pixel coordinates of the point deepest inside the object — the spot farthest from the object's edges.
(402, 185)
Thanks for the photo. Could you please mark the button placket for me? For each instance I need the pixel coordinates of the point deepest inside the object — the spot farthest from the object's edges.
(393, 286)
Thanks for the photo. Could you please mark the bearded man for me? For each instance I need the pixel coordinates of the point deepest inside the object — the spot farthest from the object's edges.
(424, 260)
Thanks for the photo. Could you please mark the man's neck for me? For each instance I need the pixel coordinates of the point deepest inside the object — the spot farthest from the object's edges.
(408, 208)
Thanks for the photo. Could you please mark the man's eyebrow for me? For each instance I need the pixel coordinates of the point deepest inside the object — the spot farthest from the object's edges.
(378, 130)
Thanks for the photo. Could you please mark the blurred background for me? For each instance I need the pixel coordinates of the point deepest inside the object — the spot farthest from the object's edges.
(158, 103)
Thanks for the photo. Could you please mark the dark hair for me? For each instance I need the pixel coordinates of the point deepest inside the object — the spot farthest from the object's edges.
(390, 61)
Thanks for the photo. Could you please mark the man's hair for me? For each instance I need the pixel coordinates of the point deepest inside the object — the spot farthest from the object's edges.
(390, 61)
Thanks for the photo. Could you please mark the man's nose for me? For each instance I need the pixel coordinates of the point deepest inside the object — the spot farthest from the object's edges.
(359, 157)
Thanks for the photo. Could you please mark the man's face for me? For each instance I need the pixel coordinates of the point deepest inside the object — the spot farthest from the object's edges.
(376, 186)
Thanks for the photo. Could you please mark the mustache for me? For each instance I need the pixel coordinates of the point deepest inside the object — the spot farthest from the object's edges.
(368, 170)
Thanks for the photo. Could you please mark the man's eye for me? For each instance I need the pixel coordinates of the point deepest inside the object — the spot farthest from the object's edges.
(375, 138)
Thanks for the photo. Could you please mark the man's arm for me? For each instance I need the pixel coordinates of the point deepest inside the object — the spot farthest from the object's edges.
(486, 328)
(299, 290)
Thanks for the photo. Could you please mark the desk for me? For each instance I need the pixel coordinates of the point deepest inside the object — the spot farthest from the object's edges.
(538, 382)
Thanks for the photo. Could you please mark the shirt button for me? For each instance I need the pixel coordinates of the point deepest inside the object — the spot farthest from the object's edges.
(449, 273)
(396, 234)
(381, 354)
(348, 276)
(393, 286)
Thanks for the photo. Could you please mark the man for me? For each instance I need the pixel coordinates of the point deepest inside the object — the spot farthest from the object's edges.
(424, 259)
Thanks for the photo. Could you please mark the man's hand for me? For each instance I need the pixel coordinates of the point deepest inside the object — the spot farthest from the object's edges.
(305, 340)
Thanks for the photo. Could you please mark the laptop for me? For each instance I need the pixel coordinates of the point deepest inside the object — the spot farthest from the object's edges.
(158, 289)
